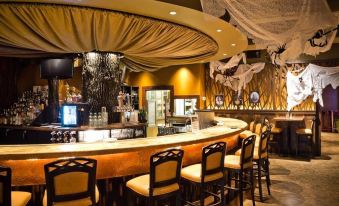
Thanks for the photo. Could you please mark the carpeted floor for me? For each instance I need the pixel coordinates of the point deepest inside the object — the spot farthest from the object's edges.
(303, 181)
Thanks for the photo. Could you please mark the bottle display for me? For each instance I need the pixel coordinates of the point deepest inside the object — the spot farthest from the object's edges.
(26, 109)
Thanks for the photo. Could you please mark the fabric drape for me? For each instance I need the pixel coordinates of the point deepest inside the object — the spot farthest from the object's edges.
(29, 30)
(310, 82)
(273, 23)
(241, 77)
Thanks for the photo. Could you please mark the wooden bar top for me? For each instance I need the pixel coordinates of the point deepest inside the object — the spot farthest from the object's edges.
(230, 127)
(49, 128)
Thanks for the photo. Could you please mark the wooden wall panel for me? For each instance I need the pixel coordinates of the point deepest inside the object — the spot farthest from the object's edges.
(271, 85)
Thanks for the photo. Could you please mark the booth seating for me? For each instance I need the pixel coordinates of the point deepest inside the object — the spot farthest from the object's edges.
(305, 135)
(8, 197)
(71, 182)
(163, 181)
(241, 166)
(261, 161)
(209, 173)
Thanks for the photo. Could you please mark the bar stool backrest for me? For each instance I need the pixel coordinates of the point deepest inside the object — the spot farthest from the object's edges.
(251, 128)
(213, 159)
(5, 186)
(309, 124)
(263, 143)
(247, 148)
(165, 168)
(257, 128)
(70, 179)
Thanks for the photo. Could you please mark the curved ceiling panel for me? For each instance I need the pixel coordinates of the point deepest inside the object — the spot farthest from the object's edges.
(38, 29)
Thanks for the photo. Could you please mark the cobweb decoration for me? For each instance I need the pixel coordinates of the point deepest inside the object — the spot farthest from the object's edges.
(232, 74)
(273, 24)
(310, 82)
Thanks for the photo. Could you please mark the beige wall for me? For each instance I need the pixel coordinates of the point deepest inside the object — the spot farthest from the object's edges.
(186, 79)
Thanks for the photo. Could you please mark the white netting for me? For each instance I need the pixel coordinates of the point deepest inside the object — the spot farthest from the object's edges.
(232, 74)
(272, 23)
(311, 81)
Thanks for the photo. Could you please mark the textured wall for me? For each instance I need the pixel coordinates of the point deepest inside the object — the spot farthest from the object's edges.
(271, 85)
(101, 80)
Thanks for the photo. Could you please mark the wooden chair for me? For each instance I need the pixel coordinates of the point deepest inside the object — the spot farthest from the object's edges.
(71, 182)
(305, 135)
(209, 173)
(8, 197)
(163, 181)
(241, 165)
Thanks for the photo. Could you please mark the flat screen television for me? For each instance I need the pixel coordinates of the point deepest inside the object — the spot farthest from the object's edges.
(69, 115)
(56, 68)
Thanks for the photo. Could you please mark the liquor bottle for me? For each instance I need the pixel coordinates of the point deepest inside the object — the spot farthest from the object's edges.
(99, 120)
(90, 119)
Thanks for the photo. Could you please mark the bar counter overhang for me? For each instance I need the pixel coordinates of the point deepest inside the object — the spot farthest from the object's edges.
(118, 158)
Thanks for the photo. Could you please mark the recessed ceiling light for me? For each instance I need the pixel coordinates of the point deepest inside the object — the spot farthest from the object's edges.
(173, 13)
(219, 30)
(225, 54)
(233, 44)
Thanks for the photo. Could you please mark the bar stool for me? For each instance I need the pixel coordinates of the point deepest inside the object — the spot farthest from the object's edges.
(260, 159)
(248, 132)
(163, 181)
(275, 139)
(8, 197)
(241, 165)
(209, 173)
(71, 182)
(306, 134)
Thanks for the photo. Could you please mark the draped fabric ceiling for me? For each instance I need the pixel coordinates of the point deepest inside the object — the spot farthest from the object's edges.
(273, 24)
(35, 30)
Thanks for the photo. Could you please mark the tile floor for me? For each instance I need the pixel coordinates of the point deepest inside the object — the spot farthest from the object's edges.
(303, 181)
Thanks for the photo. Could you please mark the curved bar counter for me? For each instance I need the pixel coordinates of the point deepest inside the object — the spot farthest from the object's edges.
(117, 158)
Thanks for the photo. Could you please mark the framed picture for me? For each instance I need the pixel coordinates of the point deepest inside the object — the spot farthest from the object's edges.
(254, 97)
(219, 100)
(237, 99)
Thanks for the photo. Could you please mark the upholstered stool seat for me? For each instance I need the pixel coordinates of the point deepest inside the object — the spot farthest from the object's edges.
(255, 153)
(276, 130)
(163, 181)
(71, 182)
(305, 135)
(84, 201)
(141, 186)
(8, 197)
(193, 173)
(260, 158)
(245, 134)
(304, 131)
(238, 167)
(210, 173)
(275, 139)
(233, 162)
(20, 198)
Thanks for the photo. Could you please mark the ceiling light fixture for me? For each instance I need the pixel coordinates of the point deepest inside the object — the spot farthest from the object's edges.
(225, 54)
(233, 44)
(219, 30)
(173, 13)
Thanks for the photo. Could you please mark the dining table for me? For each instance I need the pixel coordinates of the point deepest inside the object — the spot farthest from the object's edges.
(289, 123)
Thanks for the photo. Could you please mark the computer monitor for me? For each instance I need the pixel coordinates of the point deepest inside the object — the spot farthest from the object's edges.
(69, 115)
